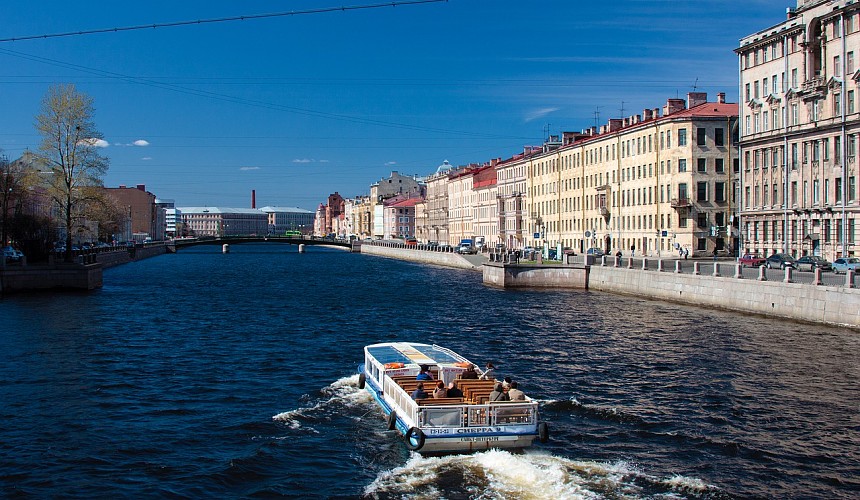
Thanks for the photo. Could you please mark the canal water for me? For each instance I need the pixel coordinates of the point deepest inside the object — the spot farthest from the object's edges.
(202, 374)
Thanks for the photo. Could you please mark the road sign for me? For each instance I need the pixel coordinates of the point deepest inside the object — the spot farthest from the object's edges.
(537, 235)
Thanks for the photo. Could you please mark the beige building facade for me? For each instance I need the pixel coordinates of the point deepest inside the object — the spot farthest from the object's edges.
(799, 128)
(652, 184)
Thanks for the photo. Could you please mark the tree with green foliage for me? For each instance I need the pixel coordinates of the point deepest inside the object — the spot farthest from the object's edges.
(69, 148)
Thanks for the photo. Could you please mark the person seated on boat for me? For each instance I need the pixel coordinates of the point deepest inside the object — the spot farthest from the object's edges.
(425, 374)
(489, 373)
(454, 391)
(506, 383)
(499, 394)
(469, 373)
(419, 393)
(515, 393)
(440, 391)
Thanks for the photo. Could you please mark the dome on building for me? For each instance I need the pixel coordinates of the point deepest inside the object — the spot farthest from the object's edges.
(445, 167)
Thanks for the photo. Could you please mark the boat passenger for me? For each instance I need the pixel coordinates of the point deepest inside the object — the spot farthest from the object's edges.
(499, 394)
(470, 373)
(506, 383)
(454, 391)
(489, 373)
(440, 391)
(425, 374)
(419, 393)
(515, 393)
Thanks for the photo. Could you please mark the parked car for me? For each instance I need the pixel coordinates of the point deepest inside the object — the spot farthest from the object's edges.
(780, 261)
(751, 260)
(813, 262)
(597, 252)
(411, 242)
(12, 255)
(466, 248)
(844, 264)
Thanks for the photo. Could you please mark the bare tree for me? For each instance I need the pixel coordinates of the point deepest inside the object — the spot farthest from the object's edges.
(69, 148)
(15, 178)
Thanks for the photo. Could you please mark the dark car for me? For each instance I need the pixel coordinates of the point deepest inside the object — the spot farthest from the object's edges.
(813, 262)
(780, 261)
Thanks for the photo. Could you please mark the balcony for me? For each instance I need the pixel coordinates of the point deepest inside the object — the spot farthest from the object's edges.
(813, 88)
(680, 203)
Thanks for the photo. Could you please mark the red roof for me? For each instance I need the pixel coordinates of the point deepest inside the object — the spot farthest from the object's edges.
(409, 202)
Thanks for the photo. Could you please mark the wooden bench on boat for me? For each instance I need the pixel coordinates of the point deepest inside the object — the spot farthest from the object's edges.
(439, 401)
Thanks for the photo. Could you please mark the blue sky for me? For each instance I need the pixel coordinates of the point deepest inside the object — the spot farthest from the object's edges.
(297, 107)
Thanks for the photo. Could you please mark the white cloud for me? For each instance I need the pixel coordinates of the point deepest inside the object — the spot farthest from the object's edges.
(389, 163)
(302, 160)
(99, 143)
(146, 158)
(141, 142)
(323, 161)
(249, 168)
(539, 113)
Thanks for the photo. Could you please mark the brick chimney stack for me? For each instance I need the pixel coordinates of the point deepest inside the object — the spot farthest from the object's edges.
(721, 97)
(253, 198)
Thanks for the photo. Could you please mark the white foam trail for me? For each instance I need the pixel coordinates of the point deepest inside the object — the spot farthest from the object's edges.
(343, 391)
(533, 475)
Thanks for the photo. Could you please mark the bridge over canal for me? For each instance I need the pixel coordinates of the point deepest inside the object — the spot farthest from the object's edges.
(175, 245)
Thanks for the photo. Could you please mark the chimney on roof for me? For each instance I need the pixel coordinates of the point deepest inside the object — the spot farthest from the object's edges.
(253, 198)
(122, 186)
(646, 115)
(141, 187)
(614, 124)
(635, 120)
(656, 113)
(721, 97)
(696, 98)
(673, 106)
(789, 13)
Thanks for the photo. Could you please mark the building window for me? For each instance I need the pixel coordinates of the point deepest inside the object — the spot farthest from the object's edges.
(849, 63)
(719, 137)
(838, 190)
(850, 101)
(747, 92)
(794, 78)
(702, 220)
(702, 165)
(700, 136)
(718, 166)
(682, 137)
(815, 191)
(837, 66)
(794, 193)
(720, 192)
(682, 165)
(851, 189)
(701, 191)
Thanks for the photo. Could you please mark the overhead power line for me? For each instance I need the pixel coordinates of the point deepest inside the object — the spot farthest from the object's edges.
(220, 20)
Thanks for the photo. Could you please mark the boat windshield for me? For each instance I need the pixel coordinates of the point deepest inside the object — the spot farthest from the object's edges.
(435, 354)
(412, 353)
(388, 354)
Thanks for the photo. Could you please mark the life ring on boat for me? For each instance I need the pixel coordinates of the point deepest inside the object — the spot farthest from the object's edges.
(392, 420)
(414, 438)
(361, 380)
(543, 432)
(389, 366)
(462, 364)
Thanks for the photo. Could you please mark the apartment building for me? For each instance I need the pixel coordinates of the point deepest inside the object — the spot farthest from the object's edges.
(436, 201)
(485, 224)
(649, 184)
(799, 126)
(510, 196)
(461, 205)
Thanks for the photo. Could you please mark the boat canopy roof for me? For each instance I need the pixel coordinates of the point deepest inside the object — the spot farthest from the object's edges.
(412, 353)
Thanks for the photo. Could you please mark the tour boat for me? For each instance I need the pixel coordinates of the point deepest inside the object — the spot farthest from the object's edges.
(460, 424)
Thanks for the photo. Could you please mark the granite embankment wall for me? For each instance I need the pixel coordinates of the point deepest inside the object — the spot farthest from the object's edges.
(805, 302)
(535, 276)
(392, 251)
(85, 274)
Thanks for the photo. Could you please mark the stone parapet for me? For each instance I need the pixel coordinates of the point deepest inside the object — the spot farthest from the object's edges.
(535, 276)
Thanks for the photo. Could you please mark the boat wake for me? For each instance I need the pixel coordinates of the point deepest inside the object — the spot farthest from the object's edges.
(333, 398)
(533, 474)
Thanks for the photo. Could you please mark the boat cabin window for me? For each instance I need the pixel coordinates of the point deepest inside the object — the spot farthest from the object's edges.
(443, 417)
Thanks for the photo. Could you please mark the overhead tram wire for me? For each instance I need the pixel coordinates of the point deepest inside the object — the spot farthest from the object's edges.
(174, 24)
(247, 102)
